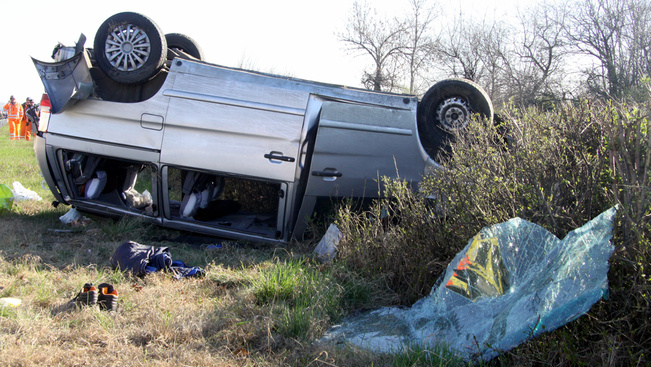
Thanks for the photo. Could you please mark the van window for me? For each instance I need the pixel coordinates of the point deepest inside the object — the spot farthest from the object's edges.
(216, 200)
(116, 182)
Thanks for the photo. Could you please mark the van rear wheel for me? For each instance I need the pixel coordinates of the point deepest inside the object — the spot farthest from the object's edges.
(129, 48)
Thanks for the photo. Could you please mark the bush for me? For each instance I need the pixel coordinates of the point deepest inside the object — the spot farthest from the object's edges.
(558, 168)
(399, 240)
(549, 168)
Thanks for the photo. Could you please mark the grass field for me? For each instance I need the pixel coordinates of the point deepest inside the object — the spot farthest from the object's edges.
(266, 305)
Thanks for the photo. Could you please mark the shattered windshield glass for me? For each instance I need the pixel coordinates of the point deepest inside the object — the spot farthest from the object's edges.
(512, 281)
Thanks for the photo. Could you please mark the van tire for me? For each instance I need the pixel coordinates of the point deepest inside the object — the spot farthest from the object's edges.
(181, 42)
(124, 36)
(446, 109)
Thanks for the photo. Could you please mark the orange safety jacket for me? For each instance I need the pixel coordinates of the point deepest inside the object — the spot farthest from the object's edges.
(14, 111)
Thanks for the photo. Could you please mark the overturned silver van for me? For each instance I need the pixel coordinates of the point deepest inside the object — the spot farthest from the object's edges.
(141, 125)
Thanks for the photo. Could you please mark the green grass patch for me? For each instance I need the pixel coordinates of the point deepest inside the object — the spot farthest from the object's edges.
(307, 295)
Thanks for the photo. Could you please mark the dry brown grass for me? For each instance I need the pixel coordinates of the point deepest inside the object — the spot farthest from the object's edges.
(210, 321)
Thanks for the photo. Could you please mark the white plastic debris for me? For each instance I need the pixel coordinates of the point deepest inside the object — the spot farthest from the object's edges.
(74, 218)
(21, 193)
(326, 250)
(10, 302)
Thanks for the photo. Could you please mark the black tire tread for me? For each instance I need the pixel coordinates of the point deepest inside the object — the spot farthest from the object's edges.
(185, 44)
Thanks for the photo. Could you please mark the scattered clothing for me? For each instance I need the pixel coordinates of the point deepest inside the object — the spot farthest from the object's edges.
(142, 259)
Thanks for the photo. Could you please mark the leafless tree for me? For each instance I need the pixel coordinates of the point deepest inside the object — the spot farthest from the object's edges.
(419, 49)
(527, 62)
(381, 39)
(535, 69)
(474, 50)
(520, 61)
(495, 49)
(457, 52)
(616, 34)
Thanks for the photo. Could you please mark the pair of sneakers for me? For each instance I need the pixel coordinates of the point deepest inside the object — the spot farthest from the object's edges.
(104, 295)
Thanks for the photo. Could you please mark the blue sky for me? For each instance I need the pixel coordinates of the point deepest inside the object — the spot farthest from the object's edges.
(290, 37)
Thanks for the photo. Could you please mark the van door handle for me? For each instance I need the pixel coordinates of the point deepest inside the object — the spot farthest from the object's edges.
(276, 157)
(326, 173)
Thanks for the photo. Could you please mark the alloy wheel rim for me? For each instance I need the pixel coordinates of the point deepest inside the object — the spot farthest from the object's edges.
(127, 47)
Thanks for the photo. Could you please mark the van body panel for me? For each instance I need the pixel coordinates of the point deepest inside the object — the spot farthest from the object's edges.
(261, 149)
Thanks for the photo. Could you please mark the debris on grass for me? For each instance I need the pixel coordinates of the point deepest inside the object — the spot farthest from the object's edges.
(326, 250)
(74, 218)
(23, 193)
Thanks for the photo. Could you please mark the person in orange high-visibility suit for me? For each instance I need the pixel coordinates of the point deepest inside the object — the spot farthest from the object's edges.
(15, 115)
(31, 119)
(27, 125)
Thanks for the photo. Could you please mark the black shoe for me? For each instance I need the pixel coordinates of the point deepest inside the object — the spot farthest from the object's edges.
(107, 298)
(87, 296)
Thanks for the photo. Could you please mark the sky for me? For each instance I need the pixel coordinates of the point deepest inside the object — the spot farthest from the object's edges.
(297, 38)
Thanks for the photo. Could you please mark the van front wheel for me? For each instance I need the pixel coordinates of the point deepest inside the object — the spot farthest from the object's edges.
(181, 42)
(446, 109)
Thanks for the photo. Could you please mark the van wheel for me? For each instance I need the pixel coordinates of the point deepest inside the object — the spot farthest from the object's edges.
(181, 42)
(129, 48)
(446, 109)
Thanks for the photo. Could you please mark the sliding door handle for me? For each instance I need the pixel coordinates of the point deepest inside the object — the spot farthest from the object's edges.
(276, 156)
(334, 173)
